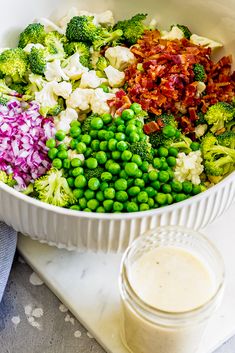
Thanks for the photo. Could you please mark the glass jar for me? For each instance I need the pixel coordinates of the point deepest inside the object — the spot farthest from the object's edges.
(147, 329)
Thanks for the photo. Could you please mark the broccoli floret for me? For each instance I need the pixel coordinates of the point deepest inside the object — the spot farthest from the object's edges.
(102, 63)
(7, 178)
(230, 126)
(4, 99)
(182, 144)
(33, 33)
(201, 119)
(227, 139)
(53, 111)
(54, 43)
(14, 63)
(106, 37)
(86, 125)
(185, 30)
(169, 119)
(143, 149)
(18, 87)
(219, 114)
(53, 188)
(132, 29)
(5, 89)
(93, 173)
(81, 29)
(82, 49)
(37, 61)
(219, 160)
(199, 72)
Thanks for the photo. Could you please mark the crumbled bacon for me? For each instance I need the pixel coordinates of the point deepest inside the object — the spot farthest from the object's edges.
(119, 103)
(167, 82)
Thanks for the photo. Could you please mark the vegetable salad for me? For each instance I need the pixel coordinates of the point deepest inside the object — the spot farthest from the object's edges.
(104, 116)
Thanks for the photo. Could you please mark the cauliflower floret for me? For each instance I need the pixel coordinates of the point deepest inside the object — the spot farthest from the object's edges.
(54, 71)
(91, 80)
(105, 18)
(200, 88)
(50, 26)
(120, 57)
(29, 46)
(73, 154)
(99, 101)
(205, 42)
(63, 89)
(189, 167)
(115, 77)
(200, 130)
(174, 33)
(47, 97)
(73, 68)
(80, 98)
(63, 120)
(66, 19)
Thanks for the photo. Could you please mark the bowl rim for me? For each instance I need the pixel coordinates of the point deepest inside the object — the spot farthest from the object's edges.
(114, 216)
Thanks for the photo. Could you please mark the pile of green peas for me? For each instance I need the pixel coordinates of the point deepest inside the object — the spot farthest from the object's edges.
(124, 182)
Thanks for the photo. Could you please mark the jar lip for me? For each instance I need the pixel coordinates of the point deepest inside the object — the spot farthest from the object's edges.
(164, 314)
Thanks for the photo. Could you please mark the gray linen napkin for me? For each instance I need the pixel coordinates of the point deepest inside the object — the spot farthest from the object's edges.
(8, 239)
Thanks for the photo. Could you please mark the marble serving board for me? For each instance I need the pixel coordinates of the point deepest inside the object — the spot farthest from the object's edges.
(88, 285)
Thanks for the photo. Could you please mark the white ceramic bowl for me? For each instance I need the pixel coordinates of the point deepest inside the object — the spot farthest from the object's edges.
(114, 232)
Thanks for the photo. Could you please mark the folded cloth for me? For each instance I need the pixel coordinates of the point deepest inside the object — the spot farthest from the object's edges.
(8, 238)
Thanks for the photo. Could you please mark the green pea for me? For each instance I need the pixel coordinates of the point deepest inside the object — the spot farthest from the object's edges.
(86, 139)
(76, 162)
(145, 166)
(73, 144)
(126, 155)
(176, 186)
(119, 121)
(112, 143)
(94, 184)
(134, 191)
(195, 146)
(171, 161)
(91, 163)
(120, 185)
(169, 199)
(93, 134)
(150, 191)
(130, 129)
(57, 163)
(117, 206)
(136, 159)
(97, 123)
(107, 118)
(196, 189)
(108, 205)
(180, 197)
(102, 134)
(104, 145)
(112, 129)
(88, 152)
(131, 169)
(77, 171)
(81, 147)
(108, 163)
(100, 196)
(109, 193)
(101, 157)
(120, 136)
(62, 147)
(75, 131)
(139, 124)
(100, 209)
(139, 182)
(136, 107)
(114, 168)
(162, 152)
(93, 204)
(104, 185)
(171, 173)
(142, 197)
(130, 182)
(145, 178)
(51, 143)
(89, 194)
(163, 176)
(66, 163)
(144, 207)
(161, 199)
(132, 207)
(134, 137)
(75, 208)
(116, 155)
(80, 182)
(121, 128)
(187, 187)
(70, 182)
(164, 166)
(169, 131)
(139, 173)
(60, 135)
(123, 174)
(78, 193)
(173, 151)
(128, 114)
(52, 153)
(151, 202)
(109, 135)
(166, 188)
(121, 196)
(106, 176)
(95, 145)
(157, 163)
(153, 175)
(82, 202)
(156, 185)
(62, 154)
(87, 210)
(75, 123)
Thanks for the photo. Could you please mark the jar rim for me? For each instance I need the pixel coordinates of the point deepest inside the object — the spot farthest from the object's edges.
(178, 317)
